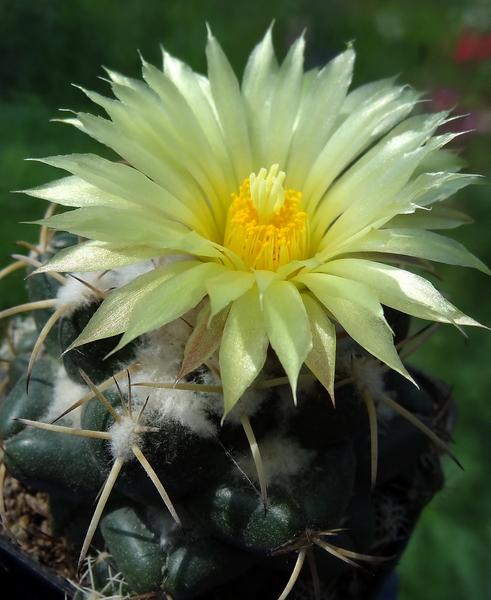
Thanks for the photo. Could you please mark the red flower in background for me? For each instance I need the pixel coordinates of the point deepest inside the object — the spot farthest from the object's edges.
(473, 46)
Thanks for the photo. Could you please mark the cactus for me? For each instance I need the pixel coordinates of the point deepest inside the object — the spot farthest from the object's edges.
(203, 427)
(184, 506)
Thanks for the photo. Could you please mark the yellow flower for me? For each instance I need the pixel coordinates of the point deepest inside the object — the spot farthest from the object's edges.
(290, 196)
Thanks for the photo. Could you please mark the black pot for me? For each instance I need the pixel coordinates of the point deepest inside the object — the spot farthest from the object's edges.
(24, 578)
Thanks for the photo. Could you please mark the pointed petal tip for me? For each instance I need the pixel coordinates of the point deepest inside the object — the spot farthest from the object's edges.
(228, 405)
(72, 346)
(406, 374)
(468, 322)
(116, 349)
(143, 61)
(294, 394)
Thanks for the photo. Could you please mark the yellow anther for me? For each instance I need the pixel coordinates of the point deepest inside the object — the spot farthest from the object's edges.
(266, 226)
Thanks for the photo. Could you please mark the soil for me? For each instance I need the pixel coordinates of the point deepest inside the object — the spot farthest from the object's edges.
(27, 514)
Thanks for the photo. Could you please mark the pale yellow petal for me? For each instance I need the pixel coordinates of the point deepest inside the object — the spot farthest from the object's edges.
(325, 286)
(399, 289)
(226, 287)
(258, 84)
(370, 331)
(321, 360)
(114, 225)
(113, 316)
(288, 327)
(122, 181)
(243, 348)
(317, 116)
(169, 301)
(99, 256)
(285, 100)
(230, 108)
(418, 243)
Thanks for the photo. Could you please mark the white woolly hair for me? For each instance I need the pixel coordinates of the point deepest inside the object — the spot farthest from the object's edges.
(66, 392)
(367, 374)
(123, 437)
(160, 355)
(282, 459)
(76, 295)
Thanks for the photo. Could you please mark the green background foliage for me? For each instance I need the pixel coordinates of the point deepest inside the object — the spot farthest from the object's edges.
(47, 46)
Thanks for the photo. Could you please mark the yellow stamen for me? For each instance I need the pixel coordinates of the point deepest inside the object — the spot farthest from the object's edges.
(265, 224)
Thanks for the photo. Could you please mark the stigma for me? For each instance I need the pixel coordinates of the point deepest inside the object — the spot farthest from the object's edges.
(266, 226)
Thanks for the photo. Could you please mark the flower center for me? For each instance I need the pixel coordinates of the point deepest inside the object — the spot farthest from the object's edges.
(265, 224)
